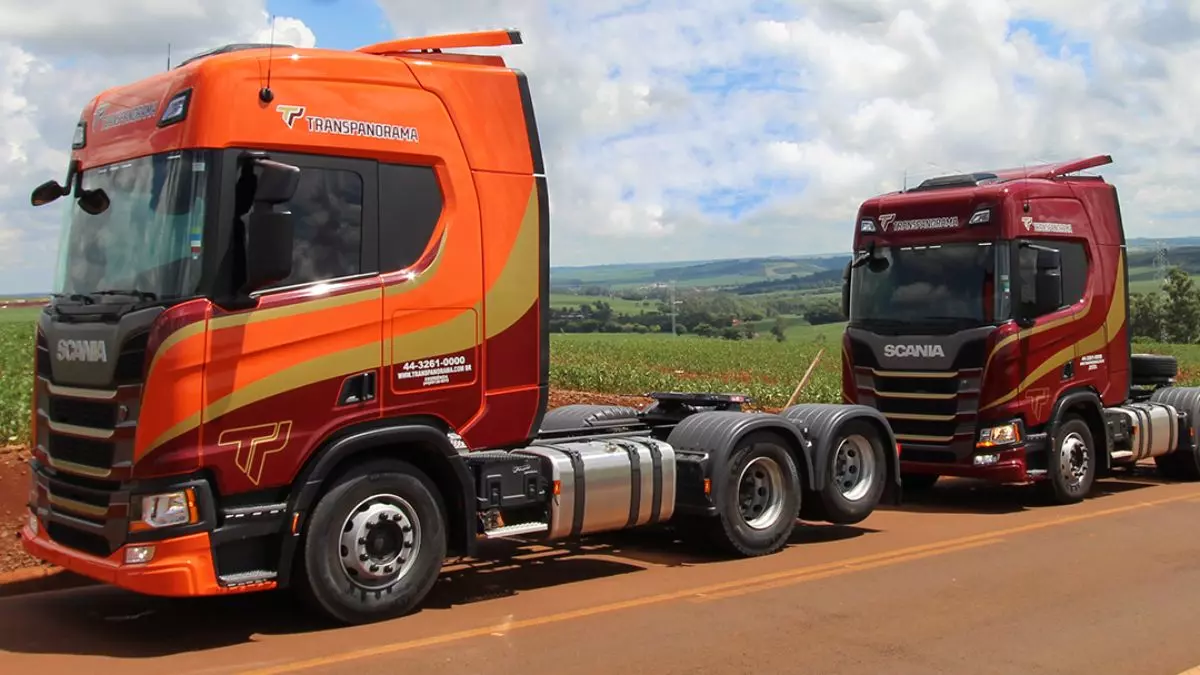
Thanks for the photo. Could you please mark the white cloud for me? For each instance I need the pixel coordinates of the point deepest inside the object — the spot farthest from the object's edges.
(652, 112)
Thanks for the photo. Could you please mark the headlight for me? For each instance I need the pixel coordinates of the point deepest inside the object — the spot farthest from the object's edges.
(168, 509)
(1003, 434)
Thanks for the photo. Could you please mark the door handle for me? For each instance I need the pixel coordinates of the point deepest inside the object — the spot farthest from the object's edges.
(358, 388)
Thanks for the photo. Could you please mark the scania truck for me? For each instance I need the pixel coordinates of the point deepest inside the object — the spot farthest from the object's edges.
(299, 340)
(988, 322)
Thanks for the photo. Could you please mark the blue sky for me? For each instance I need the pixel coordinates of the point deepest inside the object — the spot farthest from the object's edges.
(339, 24)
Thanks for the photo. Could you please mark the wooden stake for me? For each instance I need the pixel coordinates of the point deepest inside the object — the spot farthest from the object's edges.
(804, 380)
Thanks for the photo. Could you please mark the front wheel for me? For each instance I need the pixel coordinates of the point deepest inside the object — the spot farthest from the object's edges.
(375, 543)
(1072, 462)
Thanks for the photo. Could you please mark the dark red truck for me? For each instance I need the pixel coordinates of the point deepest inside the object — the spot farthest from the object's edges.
(988, 322)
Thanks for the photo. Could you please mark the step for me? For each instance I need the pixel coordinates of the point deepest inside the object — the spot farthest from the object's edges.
(516, 530)
(248, 578)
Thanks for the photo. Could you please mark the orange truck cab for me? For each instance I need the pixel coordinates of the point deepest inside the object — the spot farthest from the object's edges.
(988, 322)
(299, 339)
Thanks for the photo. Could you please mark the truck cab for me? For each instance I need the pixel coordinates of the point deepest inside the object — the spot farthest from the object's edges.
(984, 309)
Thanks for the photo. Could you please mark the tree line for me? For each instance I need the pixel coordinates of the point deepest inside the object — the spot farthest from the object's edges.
(1171, 315)
(707, 314)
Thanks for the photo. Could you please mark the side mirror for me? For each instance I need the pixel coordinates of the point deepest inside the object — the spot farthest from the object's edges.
(270, 233)
(1048, 286)
(47, 192)
(277, 182)
(846, 291)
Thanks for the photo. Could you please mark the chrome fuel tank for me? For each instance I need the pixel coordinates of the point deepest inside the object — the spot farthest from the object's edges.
(607, 484)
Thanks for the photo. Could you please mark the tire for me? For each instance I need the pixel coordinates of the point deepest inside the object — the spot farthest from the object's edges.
(1073, 444)
(855, 474)
(1153, 369)
(918, 482)
(760, 466)
(1183, 464)
(583, 415)
(391, 489)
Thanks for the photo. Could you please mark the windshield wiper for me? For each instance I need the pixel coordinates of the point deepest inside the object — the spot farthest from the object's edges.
(77, 297)
(144, 295)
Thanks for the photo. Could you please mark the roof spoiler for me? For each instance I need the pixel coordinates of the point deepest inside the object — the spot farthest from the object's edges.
(436, 43)
(1055, 170)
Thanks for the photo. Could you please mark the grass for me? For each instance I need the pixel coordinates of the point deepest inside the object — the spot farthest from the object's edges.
(16, 373)
(605, 363)
(633, 364)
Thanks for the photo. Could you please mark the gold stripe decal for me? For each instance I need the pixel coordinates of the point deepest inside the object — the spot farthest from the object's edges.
(1098, 339)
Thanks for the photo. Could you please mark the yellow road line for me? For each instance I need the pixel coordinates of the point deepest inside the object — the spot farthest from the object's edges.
(842, 567)
(746, 585)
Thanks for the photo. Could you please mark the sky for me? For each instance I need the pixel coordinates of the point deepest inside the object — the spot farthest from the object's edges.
(698, 129)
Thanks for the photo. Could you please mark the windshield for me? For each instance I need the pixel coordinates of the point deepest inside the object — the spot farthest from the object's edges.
(942, 284)
(149, 238)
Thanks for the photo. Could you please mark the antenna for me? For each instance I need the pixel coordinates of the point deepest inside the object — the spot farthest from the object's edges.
(265, 94)
(168, 55)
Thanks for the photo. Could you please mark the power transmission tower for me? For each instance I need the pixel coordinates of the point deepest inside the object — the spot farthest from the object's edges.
(1161, 263)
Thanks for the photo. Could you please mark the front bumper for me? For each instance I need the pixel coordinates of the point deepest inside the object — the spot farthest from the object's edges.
(1012, 464)
(84, 526)
(181, 567)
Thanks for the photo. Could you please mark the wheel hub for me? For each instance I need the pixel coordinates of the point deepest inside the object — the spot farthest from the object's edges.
(1073, 460)
(379, 541)
(760, 492)
(854, 467)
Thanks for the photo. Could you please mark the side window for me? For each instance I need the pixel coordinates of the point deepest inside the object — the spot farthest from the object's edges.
(328, 208)
(1074, 270)
(410, 204)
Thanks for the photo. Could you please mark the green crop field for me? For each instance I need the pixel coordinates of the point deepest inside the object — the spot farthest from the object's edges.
(604, 363)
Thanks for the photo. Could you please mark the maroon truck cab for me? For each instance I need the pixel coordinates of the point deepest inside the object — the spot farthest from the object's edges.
(978, 305)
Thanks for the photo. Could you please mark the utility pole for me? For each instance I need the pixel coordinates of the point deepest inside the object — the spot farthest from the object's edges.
(673, 333)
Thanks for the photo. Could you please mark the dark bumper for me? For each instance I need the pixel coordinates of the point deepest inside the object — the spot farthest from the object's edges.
(1009, 464)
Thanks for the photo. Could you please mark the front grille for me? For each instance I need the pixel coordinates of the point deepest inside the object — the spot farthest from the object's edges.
(87, 542)
(82, 412)
(926, 407)
(84, 452)
(84, 439)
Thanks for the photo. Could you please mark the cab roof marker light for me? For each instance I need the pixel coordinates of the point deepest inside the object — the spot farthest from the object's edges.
(176, 109)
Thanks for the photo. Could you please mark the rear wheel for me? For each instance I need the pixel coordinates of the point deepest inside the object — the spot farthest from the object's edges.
(759, 498)
(856, 472)
(1072, 462)
(375, 543)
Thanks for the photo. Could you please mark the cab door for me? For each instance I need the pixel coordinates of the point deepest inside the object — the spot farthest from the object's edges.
(285, 373)
(1049, 358)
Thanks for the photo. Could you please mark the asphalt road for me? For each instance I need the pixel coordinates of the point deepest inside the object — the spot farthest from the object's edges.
(975, 579)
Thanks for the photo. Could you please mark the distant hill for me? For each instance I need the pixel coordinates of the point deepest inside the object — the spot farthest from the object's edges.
(702, 273)
(786, 273)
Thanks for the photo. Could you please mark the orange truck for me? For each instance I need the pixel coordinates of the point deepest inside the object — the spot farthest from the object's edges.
(299, 340)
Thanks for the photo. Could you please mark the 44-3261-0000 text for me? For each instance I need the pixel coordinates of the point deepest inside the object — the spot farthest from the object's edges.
(435, 371)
